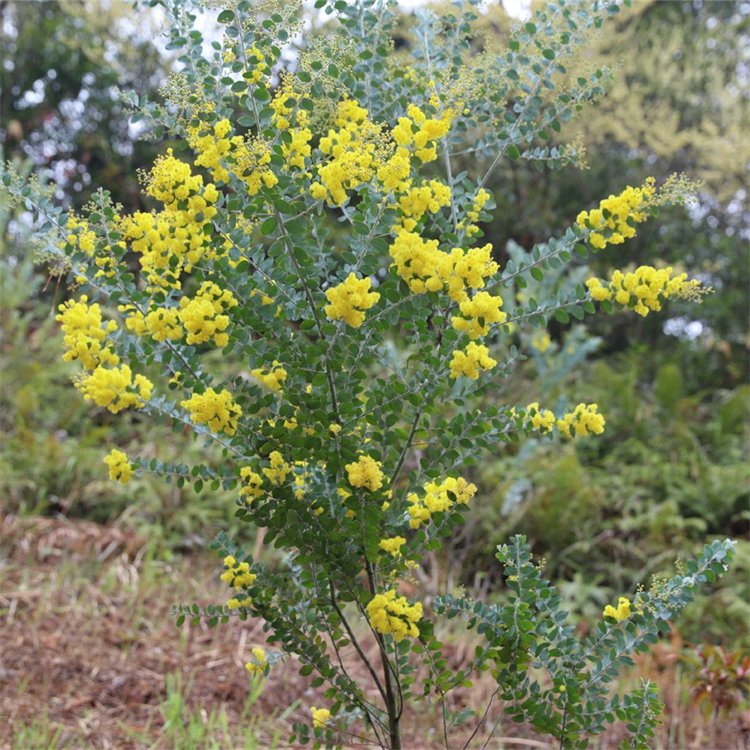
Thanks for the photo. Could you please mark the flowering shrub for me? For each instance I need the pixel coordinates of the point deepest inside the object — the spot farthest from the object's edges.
(311, 227)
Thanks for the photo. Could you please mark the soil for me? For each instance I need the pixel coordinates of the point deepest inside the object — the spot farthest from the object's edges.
(88, 645)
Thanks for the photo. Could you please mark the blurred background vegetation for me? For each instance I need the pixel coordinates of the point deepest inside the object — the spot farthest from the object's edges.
(671, 470)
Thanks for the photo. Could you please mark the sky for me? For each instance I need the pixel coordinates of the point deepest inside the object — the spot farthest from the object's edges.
(516, 8)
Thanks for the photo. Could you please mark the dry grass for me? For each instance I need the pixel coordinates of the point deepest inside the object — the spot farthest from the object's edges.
(90, 658)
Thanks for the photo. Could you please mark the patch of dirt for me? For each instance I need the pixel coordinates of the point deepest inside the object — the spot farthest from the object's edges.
(87, 643)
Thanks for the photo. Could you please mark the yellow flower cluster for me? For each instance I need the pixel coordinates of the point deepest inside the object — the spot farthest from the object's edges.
(357, 150)
(320, 717)
(621, 612)
(252, 157)
(645, 289)
(352, 151)
(541, 420)
(302, 482)
(472, 361)
(248, 158)
(212, 147)
(278, 470)
(238, 576)
(252, 484)
(204, 316)
(349, 300)
(420, 133)
(298, 146)
(257, 67)
(272, 379)
(84, 337)
(164, 323)
(365, 472)
(392, 545)
(171, 180)
(612, 223)
(259, 662)
(480, 199)
(80, 235)
(115, 389)
(582, 421)
(439, 497)
(426, 268)
(283, 105)
(120, 469)
(393, 615)
(415, 202)
(161, 323)
(83, 238)
(172, 241)
(393, 172)
(217, 410)
(479, 313)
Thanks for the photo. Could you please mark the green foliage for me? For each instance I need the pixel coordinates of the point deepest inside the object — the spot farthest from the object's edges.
(669, 470)
(652, 118)
(51, 456)
(342, 430)
(573, 701)
(186, 729)
(63, 61)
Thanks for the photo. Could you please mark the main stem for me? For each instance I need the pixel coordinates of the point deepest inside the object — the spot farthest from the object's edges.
(392, 709)
(394, 718)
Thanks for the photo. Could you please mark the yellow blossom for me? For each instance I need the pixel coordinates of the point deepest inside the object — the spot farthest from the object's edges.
(622, 612)
(392, 545)
(541, 420)
(217, 410)
(582, 421)
(85, 339)
(115, 389)
(320, 717)
(299, 148)
(415, 202)
(352, 154)
(420, 133)
(278, 470)
(426, 268)
(390, 614)
(479, 313)
(394, 172)
(257, 67)
(365, 472)
(439, 497)
(472, 361)
(204, 316)
(164, 323)
(645, 288)
(612, 223)
(541, 341)
(239, 577)
(120, 469)
(272, 379)
(259, 661)
(349, 299)
(480, 199)
(170, 242)
(252, 484)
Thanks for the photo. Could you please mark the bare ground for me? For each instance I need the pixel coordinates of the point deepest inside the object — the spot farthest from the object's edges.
(90, 658)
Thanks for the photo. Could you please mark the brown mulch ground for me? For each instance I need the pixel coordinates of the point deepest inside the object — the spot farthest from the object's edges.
(87, 645)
